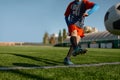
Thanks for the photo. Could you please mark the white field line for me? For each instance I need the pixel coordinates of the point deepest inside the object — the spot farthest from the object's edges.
(64, 66)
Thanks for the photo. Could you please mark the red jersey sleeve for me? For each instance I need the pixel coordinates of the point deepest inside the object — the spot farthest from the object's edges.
(88, 4)
(68, 10)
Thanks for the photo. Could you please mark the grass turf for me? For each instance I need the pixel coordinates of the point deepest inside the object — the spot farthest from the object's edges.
(47, 56)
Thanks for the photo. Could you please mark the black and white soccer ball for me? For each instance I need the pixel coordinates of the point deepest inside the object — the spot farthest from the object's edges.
(112, 19)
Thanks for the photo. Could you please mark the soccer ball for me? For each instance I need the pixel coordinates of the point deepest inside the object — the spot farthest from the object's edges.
(112, 19)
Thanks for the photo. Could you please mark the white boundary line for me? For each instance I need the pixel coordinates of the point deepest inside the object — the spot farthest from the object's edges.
(64, 66)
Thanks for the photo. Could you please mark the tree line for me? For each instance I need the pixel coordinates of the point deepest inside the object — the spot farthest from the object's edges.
(53, 39)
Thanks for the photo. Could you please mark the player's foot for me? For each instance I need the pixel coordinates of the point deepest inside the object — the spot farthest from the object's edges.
(75, 52)
(67, 61)
(79, 51)
(84, 51)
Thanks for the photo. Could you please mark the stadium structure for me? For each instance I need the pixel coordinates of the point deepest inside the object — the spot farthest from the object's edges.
(102, 39)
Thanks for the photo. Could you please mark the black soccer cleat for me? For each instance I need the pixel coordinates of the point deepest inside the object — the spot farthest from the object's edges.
(79, 51)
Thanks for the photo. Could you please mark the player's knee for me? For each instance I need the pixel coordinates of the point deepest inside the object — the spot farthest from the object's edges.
(78, 39)
(74, 33)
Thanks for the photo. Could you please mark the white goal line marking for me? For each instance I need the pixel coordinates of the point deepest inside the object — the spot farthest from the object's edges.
(64, 66)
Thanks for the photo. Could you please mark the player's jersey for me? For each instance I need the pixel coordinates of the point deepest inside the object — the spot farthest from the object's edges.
(75, 11)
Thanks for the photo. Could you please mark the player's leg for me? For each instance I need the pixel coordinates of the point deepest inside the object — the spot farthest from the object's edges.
(69, 52)
(67, 58)
(71, 49)
(76, 48)
(73, 40)
(80, 33)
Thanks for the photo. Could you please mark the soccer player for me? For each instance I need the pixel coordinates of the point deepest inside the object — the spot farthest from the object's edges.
(75, 13)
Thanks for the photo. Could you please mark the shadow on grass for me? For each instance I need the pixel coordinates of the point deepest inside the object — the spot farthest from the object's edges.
(46, 61)
(22, 75)
(25, 65)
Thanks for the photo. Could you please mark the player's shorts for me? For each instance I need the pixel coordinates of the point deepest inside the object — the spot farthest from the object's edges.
(80, 31)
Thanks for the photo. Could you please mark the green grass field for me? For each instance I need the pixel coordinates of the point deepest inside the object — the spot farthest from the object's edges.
(29, 56)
